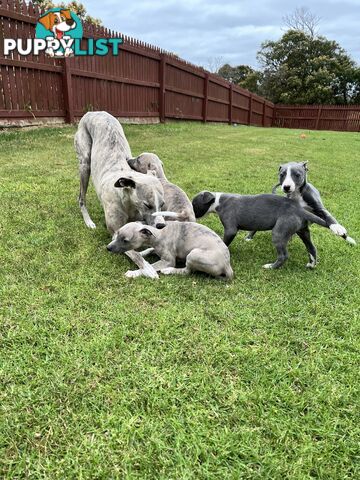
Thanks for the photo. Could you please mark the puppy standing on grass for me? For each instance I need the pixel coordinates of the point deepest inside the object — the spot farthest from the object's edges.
(200, 248)
(283, 216)
(293, 182)
(177, 204)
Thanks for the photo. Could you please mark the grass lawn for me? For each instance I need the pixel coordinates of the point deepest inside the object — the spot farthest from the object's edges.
(184, 377)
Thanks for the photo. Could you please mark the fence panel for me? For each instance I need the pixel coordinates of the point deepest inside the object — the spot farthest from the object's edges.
(142, 81)
(318, 117)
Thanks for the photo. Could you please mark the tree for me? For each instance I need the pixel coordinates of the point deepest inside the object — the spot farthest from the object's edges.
(300, 68)
(74, 6)
(213, 64)
(303, 20)
(242, 75)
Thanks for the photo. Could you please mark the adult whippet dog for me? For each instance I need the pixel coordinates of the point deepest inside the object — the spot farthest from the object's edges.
(293, 182)
(125, 195)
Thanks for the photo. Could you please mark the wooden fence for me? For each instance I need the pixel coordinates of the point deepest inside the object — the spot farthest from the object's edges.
(318, 117)
(141, 82)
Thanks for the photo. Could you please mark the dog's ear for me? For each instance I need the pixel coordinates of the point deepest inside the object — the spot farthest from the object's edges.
(146, 232)
(305, 165)
(208, 197)
(66, 12)
(47, 20)
(124, 182)
(131, 159)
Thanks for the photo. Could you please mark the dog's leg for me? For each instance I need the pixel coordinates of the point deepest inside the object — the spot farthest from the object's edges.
(145, 269)
(83, 151)
(280, 238)
(199, 260)
(146, 252)
(175, 271)
(305, 236)
(250, 236)
(157, 266)
(229, 234)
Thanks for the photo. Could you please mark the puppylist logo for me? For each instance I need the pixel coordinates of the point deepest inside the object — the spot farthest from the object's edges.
(59, 33)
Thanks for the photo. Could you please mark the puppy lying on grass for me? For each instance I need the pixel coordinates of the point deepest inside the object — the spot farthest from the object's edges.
(198, 246)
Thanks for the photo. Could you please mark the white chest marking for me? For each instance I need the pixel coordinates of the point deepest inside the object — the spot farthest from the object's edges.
(214, 205)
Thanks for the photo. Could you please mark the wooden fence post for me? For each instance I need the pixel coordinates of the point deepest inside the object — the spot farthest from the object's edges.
(162, 88)
(264, 113)
(68, 93)
(206, 95)
(318, 117)
(230, 104)
(250, 110)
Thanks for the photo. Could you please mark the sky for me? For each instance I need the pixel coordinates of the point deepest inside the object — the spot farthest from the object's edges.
(207, 31)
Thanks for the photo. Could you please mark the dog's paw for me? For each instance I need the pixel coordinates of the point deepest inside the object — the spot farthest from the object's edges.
(312, 263)
(133, 273)
(268, 266)
(91, 224)
(167, 271)
(338, 229)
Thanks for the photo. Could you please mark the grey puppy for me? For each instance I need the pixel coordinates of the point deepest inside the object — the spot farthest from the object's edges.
(177, 204)
(283, 216)
(200, 248)
(293, 182)
(125, 195)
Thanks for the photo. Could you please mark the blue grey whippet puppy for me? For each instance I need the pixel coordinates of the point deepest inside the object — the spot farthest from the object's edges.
(282, 215)
(293, 182)
(200, 248)
(177, 204)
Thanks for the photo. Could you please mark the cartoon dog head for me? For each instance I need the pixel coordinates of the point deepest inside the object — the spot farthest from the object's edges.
(58, 22)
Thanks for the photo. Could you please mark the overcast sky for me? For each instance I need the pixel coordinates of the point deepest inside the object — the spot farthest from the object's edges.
(200, 30)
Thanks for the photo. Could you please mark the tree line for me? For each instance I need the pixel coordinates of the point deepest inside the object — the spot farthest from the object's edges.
(302, 67)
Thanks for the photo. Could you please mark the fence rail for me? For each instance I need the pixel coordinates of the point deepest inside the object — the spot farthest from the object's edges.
(143, 81)
(318, 117)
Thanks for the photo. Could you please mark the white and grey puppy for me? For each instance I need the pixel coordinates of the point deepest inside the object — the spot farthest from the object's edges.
(177, 204)
(293, 182)
(125, 195)
(198, 246)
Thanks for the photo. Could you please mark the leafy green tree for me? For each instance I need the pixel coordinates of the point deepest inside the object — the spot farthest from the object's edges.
(242, 75)
(305, 69)
(74, 5)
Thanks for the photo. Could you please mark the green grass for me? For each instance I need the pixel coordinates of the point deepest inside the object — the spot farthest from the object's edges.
(186, 377)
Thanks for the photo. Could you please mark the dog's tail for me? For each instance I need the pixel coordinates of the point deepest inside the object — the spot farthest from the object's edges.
(311, 217)
(181, 216)
(319, 221)
(349, 239)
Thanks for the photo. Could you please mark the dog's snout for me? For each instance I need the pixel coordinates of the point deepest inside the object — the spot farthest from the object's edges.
(109, 248)
(159, 225)
(286, 188)
(70, 22)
